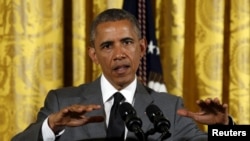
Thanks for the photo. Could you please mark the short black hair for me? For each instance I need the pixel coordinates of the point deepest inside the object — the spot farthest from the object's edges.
(113, 14)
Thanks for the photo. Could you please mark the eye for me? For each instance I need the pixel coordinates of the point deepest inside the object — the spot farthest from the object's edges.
(127, 42)
(106, 45)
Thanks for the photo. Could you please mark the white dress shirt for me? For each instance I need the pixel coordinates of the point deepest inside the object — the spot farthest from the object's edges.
(107, 92)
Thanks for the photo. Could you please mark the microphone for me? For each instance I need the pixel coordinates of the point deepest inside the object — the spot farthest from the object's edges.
(161, 124)
(133, 123)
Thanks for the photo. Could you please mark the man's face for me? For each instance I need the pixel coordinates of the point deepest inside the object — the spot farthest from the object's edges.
(118, 50)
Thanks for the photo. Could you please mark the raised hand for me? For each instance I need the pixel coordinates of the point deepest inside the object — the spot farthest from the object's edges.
(211, 112)
(73, 116)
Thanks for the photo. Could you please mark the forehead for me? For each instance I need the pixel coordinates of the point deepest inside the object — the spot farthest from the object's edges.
(115, 26)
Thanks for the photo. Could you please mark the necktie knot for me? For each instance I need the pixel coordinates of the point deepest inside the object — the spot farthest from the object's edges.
(118, 98)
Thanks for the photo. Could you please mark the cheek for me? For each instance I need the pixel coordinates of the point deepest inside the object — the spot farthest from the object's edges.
(139, 54)
(104, 60)
(136, 58)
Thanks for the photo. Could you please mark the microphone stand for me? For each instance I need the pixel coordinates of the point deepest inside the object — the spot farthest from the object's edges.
(140, 134)
(165, 134)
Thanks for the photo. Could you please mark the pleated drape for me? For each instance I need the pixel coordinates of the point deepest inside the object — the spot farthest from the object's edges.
(31, 43)
(204, 49)
(238, 83)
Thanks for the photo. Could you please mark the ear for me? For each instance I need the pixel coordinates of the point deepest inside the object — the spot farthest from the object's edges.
(92, 55)
(143, 47)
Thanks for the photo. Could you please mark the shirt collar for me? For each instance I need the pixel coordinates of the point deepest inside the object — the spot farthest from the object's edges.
(108, 90)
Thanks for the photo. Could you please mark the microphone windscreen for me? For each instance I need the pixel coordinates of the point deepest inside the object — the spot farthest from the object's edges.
(152, 111)
(126, 109)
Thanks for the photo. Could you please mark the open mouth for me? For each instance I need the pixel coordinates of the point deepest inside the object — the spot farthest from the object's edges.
(121, 69)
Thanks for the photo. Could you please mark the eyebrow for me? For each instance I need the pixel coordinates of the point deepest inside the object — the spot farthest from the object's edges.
(111, 42)
(106, 42)
(127, 38)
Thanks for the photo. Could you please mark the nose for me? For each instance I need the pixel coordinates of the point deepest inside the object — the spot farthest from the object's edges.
(119, 52)
(119, 56)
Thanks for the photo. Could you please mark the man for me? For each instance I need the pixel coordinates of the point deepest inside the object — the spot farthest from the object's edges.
(82, 113)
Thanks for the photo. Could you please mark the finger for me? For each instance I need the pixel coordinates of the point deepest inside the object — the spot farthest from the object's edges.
(208, 101)
(95, 119)
(85, 120)
(217, 106)
(216, 100)
(225, 105)
(84, 108)
(87, 108)
(92, 107)
(202, 104)
(198, 101)
(182, 112)
(186, 113)
(207, 106)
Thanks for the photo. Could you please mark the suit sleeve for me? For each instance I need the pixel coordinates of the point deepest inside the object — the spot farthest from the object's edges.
(33, 131)
(186, 128)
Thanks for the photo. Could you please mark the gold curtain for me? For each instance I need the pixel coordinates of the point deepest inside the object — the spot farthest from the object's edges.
(204, 48)
(30, 60)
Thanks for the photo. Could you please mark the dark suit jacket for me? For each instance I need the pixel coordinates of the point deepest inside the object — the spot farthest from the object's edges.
(181, 129)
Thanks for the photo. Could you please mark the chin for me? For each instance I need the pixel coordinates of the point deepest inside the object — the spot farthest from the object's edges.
(124, 81)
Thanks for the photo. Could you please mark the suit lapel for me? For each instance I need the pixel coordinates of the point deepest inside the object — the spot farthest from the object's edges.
(142, 100)
(93, 95)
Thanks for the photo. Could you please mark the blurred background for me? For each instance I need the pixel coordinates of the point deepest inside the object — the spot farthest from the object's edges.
(203, 47)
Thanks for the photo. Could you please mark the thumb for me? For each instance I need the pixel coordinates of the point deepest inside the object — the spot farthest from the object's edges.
(185, 113)
(182, 112)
